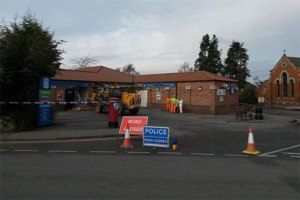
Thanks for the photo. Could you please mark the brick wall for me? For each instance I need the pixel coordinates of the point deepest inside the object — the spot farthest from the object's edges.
(287, 98)
(198, 97)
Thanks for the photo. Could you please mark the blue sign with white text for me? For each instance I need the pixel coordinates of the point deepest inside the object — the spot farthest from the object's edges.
(45, 83)
(72, 83)
(232, 90)
(156, 136)
(159, 85)
(45, 110)
(45, 114)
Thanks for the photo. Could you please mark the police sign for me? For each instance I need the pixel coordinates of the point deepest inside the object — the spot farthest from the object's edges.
(156, 136)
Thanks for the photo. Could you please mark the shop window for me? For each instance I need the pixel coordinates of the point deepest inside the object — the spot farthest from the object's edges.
(292, 87)
(284, 85)
(278, 88)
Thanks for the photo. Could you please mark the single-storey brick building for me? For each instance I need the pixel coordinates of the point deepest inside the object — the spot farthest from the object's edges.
(67, 83)
(201, 91)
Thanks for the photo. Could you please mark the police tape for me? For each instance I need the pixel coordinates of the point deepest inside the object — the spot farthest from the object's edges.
(43, 102)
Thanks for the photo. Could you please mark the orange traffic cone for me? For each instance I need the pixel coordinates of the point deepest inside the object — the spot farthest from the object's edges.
(250, 146)
(127, 143)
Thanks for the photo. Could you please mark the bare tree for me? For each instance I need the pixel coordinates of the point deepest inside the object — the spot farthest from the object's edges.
(128, 69)
(257, 81)
(185, 68)
(83, 62)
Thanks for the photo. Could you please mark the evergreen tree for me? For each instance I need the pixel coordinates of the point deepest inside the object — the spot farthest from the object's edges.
(201, 62)
(27, 52)
(236, 63)
(248, 94)
(209, 55)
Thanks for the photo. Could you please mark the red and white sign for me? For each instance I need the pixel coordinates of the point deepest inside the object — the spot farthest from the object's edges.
(136, 124)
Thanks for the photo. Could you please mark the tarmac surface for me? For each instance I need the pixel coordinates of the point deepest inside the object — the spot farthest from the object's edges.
(89, 124)
(79, 157)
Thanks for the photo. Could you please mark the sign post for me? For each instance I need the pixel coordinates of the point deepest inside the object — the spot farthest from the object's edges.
(156, 136)
(45, 110)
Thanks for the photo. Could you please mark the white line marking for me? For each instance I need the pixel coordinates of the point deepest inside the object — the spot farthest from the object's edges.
(290, 153)
(26, 150)
(170, 153)
(295, 156)
(202, 154)
(61, 151)
(103, 152)
(279, 150)
(267, 156)
(57, 141)
(2, 150)
(138, 152)
(233, 155)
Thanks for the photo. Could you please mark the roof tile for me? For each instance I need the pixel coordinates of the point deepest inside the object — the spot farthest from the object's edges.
(95, 74)
(181, 77)
(295, 61)
(105, 74)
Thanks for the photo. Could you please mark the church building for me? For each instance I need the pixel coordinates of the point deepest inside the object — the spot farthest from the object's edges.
(282, 89)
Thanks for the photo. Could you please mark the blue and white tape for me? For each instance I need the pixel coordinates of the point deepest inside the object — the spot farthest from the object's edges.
(42, 102)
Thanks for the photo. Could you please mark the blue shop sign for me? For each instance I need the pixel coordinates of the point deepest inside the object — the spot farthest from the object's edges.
(158, 85)
(72, 83)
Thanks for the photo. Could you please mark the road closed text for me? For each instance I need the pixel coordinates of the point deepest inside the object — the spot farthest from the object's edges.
(135, 124)
(156, 140)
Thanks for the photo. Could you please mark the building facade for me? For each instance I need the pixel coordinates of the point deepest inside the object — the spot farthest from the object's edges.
(282, 89)
(78, 85)
(201, 92)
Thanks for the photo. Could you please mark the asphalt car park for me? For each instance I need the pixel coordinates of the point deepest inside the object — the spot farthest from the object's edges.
(277, 135)
(80, 151)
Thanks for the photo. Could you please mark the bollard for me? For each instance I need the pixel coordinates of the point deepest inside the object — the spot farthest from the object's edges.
(175, 144)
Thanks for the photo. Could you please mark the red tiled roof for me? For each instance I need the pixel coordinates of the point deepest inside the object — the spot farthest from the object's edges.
(90, 69)
(295, 61)
(181, 77)
(104, 74)
(94, 74)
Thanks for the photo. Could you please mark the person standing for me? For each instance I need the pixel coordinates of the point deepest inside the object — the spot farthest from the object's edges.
(173, 104)
(180, 102)
(168, 104)
(176, 106)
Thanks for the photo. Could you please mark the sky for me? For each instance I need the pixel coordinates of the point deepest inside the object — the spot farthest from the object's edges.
(158, 36)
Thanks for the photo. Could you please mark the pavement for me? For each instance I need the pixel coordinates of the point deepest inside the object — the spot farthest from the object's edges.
(58, 135)
(89, 124)
(68, 125)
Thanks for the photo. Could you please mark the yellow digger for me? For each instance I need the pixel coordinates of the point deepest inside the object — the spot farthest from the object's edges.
(128, 100)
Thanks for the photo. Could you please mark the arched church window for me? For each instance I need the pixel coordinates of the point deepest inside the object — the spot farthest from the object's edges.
(292, 87)
(277, 88)
(284, 85)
